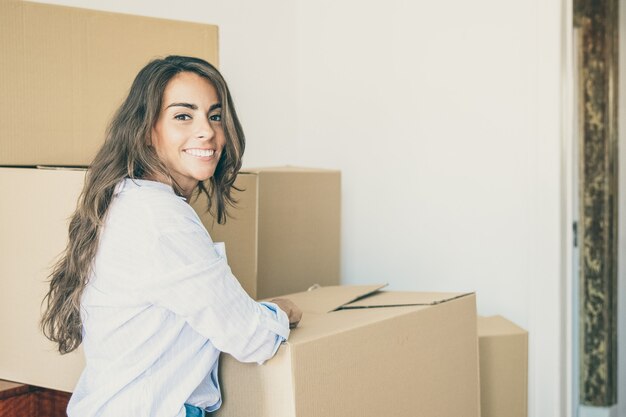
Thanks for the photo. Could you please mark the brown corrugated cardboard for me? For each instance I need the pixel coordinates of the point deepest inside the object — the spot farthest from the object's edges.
(34, 212)
(65, 71)
(285, 232)
(419, 358)
(34, 232)
(503, 368)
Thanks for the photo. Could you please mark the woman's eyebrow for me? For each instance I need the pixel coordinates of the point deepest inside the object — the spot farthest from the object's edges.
(187, 105)
(195, 107)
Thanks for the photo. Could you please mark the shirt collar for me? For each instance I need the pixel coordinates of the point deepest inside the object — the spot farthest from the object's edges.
(131, 183)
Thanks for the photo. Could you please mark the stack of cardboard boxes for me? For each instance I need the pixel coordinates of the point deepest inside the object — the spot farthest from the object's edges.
(359, 351)
(64, 72)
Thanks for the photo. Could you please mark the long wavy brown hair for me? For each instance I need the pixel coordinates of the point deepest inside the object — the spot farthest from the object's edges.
(126, 154)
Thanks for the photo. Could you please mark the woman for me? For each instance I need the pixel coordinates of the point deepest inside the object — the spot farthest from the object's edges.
(141, 284)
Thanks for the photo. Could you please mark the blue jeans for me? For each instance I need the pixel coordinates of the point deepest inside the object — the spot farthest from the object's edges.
(192, 411)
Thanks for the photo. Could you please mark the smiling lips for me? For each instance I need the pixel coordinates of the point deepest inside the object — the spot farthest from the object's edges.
(200, 153)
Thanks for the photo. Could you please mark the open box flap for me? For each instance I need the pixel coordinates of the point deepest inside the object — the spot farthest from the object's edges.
(326, 299)
(394, 298)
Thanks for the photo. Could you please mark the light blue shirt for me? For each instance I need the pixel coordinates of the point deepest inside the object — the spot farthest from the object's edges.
(159, 307)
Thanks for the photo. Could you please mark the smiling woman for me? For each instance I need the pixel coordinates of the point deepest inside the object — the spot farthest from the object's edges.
(141, 284)
(188, 135)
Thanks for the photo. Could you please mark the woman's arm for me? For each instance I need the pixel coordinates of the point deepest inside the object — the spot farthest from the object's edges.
(194, 281)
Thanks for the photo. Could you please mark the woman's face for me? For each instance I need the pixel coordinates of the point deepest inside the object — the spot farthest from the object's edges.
(188, 135)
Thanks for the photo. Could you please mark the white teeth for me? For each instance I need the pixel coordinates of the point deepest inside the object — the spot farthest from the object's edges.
(200, 152)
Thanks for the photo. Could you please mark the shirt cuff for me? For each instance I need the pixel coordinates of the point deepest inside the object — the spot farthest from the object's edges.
(280, 326)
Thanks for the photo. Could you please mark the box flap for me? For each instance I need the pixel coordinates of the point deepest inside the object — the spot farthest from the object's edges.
(327, 299)
(396, 298)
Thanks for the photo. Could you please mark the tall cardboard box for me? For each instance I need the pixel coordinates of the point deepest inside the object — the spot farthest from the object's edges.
(284, 235)
(503, 368)
(75, 66)
(366, 353)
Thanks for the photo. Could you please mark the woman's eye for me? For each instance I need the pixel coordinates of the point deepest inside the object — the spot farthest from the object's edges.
(215, 117)
(182, 117)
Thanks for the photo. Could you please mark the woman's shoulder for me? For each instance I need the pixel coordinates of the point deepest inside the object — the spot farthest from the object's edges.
(154, 202)
(141, 192)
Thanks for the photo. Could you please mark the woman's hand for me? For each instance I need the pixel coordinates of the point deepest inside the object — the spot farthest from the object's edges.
(293, 312)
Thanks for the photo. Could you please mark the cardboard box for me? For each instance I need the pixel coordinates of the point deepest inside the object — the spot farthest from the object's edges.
(503, 368)
(386, 354)
(34, 213)
(284, 236)
(34, 220)
(66, 70)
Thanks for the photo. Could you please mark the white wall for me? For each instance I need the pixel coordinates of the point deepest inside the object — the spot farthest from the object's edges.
(445, 119)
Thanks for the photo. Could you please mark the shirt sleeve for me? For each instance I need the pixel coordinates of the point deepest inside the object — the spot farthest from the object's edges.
(283, 320)
(195, 282)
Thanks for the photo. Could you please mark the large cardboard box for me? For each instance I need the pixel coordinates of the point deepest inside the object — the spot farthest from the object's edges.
(366, 353)
(503, 368)
(284, 235)
(65, 71)
(34, 214)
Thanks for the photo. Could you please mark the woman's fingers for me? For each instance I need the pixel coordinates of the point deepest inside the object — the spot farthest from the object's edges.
(293, 311)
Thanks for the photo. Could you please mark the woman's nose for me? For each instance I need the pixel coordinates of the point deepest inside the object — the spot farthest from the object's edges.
(205, 131)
